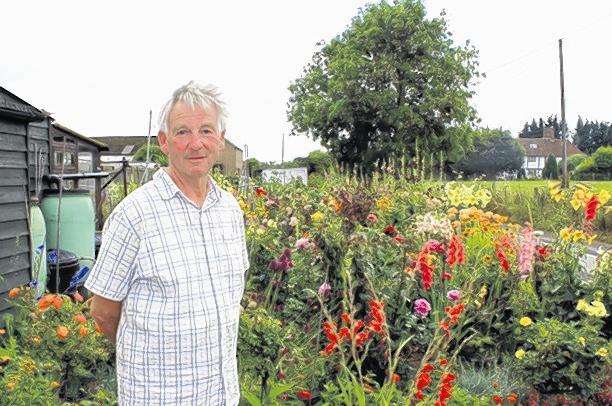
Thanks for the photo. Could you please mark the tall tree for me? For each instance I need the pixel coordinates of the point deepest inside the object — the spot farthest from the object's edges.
(391, 78)
(494, 152)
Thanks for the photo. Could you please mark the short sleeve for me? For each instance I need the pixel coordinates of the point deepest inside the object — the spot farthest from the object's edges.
(113, 272)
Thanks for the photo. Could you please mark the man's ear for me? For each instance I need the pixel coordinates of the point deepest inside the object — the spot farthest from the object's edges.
(162, 140)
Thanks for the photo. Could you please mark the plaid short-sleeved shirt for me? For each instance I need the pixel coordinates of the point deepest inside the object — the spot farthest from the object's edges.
(179, 271)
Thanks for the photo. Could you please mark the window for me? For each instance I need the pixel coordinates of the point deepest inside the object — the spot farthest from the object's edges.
(533, 146)
(532, 159)
(69, 159)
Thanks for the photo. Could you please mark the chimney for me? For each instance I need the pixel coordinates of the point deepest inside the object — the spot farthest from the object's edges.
(549, 132)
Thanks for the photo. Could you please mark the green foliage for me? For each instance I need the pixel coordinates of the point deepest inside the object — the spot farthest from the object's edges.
(156, 155)
(44, 365)
(551, 170)
(573, 161)
(557, 360)
(391, 78)
(597, 166)
(494, 151)
(602, 159)
(484, 382)
(592, 135)
(536, 130)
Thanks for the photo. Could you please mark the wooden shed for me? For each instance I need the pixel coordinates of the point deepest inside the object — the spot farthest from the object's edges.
(22, 127)
(31, 146)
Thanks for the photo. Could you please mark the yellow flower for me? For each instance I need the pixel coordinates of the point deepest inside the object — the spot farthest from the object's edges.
(578, 235)
(598, 295)
(10, 386)
(602, 352)
(555, 192)
(597, 309)
(520, 353)
(54, 385)
(525, 321)
(604, 196)
(384, 203)
(579, 198)
(591, 238)
(260, 231)
(582, 341)
(317, 217)
(565, 234)
(582, 305)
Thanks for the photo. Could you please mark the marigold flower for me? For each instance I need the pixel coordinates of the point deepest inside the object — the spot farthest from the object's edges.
(260, 192)
(525, 321)
(602, 352)
(79, 318)
(13, 293)
(83, 331)
(520, 353)
(62, 332)
(512, 398)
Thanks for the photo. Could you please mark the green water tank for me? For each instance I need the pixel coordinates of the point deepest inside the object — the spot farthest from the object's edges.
(38, 233)
(77, 223)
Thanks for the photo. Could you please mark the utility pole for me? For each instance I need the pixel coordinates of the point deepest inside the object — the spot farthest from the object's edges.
(565, 182)
(283, 150)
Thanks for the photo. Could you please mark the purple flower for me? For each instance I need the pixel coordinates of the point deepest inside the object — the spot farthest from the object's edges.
(302, 244)
(422, 307)
(283, 263)
(324, 289)
(453, 295)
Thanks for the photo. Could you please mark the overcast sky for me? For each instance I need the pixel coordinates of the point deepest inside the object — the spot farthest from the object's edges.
(100, 68)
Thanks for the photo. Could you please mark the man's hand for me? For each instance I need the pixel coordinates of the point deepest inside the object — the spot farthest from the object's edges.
(106, 313)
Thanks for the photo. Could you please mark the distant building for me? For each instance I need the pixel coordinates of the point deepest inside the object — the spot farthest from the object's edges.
(538, 149)
(230, 161)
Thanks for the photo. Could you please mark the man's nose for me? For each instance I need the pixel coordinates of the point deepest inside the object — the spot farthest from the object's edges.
(196, 142)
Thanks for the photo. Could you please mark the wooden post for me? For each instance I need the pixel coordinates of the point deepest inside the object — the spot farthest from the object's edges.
(124, 169)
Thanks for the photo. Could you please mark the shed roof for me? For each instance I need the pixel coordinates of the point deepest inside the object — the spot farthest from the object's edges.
(95, 142)
(17, 108)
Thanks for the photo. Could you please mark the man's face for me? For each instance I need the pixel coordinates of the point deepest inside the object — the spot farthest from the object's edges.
(193, 141)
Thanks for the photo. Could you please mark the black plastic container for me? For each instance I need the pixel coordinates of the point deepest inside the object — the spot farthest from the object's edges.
(68, 266)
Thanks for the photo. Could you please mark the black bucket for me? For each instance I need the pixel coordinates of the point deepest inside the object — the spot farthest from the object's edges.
(68, 266)
(98, 242)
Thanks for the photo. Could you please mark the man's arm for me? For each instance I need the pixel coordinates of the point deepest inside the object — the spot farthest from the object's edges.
(107, 314)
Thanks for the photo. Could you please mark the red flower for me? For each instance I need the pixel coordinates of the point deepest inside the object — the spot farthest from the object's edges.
(359, 324)
(497, 399)
(427, 368)
(346, 318)
(543, 252)
(260, 192)
(434, 246)
(456, 253)
(447, 276)
(443, 362)
(395, 378)
(390, 230)
(590, 210)
(304, 395)
(423, 381)
(345, 333)
(400, 239)
(362, 337)
(425, 268)
(512, 398)
(419, 395)
(372, 218)
(501, 257)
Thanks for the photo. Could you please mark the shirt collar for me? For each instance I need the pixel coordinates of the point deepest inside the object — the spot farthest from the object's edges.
(168, 189)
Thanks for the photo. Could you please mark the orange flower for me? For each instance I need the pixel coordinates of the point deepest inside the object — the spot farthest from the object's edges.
(62, 332)
(83, 331)
(45, 302)
(395, 378)
(79, 318)
(57, 302)
(512, 398)
(13, 293)
(443, 362)
(497, 399)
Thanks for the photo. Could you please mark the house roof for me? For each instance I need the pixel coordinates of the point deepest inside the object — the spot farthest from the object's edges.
(100, 145)
(129, 145)
(14, 107)
(547, 146)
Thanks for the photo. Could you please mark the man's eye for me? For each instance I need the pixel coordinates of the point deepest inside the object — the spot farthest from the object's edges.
(181, 132)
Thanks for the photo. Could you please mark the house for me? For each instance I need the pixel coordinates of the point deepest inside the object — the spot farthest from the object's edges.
(31, 146)
(230, 161)
(538, 149)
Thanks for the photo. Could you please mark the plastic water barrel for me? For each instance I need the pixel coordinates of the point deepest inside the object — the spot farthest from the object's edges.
(67, 264)
(77, 223)
(38, 232)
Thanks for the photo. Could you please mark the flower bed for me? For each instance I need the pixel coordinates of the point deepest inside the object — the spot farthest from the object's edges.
(388, 293)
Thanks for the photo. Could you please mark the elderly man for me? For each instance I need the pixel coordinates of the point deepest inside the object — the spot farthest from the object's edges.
(169, 276)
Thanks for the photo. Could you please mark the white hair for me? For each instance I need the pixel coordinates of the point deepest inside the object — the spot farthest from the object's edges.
(195, 95)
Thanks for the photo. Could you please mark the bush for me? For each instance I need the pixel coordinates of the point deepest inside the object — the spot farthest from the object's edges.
(551, 170)
(575, 160)
(558, 357)
(602, 159)
(596, 167)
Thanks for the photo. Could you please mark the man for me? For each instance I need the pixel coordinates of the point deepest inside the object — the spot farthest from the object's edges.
(169, 276)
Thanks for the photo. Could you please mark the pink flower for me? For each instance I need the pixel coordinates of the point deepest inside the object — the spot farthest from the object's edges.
(435, 246)
(453, 295)
(302, 244)
(372, 218)
(527, 252)
(324, 289)
(422, 307)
